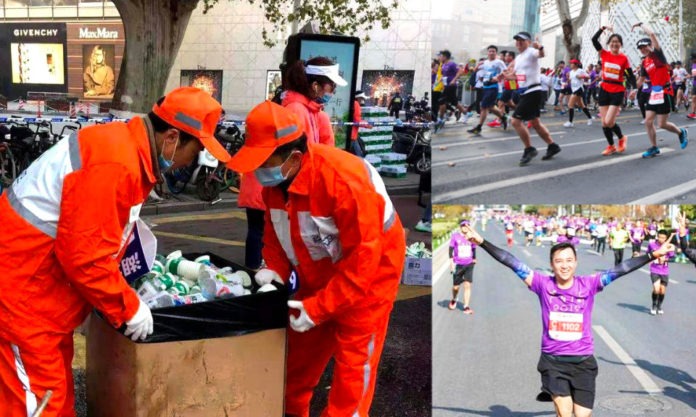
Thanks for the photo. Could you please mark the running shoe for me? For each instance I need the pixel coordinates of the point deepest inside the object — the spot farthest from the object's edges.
(568, 124)
(551, 150)
(651, 152)
(622, 144)
(439, 125)
(610, 150)
(563, 112)
(528, 155)
(494, 123)
(642, 122)
(691, 116)
(683, 138)
(589, 121)
(452, 305)
(476, 130)
(468, 310)
(653, 311)
(505, 121)
(424, 227)
(660, 311)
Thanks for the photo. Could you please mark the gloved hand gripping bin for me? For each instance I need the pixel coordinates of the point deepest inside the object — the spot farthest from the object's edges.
(218, 358)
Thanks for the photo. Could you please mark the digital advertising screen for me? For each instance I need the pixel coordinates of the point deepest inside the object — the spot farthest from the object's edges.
(98, 77)
(37, 63)
(343, 51)
(207, 80)
(380, 85)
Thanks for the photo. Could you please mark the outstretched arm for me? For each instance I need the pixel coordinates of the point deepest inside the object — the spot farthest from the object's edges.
(504, 257)
(648, 31)
(630, 265)
(690, 253)
(595, 39)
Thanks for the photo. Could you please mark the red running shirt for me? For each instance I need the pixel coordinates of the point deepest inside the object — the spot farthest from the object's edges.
(655, 66)
(613, 69)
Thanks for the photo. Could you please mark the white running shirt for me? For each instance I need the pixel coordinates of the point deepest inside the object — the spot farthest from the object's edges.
(527, 70)
(575, 82)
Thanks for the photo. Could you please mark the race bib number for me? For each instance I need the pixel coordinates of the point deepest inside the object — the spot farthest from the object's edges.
(565, 327)
(521, 80)
(646, 86)
(487, 77)
(611, 71)
(464, 251)
(657, 96)
(636, 235)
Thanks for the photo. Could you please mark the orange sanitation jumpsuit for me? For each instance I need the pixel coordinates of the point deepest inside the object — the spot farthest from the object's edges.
(64, 224)
(337, 229)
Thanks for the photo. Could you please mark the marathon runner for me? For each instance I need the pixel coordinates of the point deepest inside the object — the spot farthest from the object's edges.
(576, 77)
(679, 75)
(567, 364)
(637, 237)
(615, 66)
(617, 240)
(661, 95)
(447, 72)
(462, 255)
(692, 115)
(526, 70)
(659, 272)
(683, 241)
(492, 73)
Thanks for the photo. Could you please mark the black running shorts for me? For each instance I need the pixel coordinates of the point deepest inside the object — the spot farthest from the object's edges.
(449, 96)
(529, 106)
(463, 273)
(580, 92)
(664, 279)
(664, 108)
(563, 378)
(489, 97)
(610, 99)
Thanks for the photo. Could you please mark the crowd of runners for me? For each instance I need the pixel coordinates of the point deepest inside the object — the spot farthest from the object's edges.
(514, 87)
(567, 365)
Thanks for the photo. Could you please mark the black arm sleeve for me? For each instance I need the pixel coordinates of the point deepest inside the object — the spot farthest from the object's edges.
(595, 40)
(625, 267)
(690, 253)
(507, 259)
(451, 251)
(630, 78)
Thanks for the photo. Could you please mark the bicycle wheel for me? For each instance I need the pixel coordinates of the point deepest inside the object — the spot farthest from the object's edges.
(8, 168)
(206, 188)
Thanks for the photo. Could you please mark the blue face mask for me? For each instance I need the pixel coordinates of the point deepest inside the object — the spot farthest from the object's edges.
(270, 177)
(325, 98)
(166, 164)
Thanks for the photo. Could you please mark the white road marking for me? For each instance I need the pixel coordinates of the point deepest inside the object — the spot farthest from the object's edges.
(668, 194)
(526, 252)
(511, 182)
(645, 381)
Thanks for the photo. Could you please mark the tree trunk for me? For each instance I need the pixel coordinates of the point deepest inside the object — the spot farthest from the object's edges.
(154, 31)
(571, 40)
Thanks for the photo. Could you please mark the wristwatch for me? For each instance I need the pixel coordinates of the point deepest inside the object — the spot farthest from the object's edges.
(541, 47)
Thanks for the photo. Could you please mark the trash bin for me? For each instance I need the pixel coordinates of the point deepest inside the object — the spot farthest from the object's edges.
(219, 358)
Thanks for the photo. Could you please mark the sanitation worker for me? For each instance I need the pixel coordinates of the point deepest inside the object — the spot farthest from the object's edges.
(65, 221)
(330, 221)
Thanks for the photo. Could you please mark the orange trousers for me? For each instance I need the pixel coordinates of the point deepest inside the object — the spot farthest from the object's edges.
(26, 374)
(355, 341)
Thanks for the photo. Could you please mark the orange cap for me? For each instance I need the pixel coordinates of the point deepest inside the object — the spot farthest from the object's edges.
(268, 126)
(195, 112)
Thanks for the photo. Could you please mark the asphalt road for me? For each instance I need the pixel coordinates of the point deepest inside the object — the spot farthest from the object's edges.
(485, 169)
(405, 367)
(485, 364)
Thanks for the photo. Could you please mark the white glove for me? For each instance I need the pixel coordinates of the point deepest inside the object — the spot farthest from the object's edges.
(302, 323)
(265, 276)
(141, 325)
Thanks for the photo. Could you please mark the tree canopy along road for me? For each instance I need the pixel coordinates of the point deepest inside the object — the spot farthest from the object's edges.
(485, 364)
(485, 169)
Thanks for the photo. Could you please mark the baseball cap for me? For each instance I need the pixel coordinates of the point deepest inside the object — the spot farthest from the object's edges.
(523, 36)
(329, 71)
(446, 53)
(268, 126)
(643, 42)
(575, 61)
(464, 223)
(195, 112)
(361, 94)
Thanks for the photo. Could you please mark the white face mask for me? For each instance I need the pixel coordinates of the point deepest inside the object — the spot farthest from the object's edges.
(270, 177)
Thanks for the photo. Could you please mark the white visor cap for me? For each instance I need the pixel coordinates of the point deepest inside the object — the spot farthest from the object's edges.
(329, 71)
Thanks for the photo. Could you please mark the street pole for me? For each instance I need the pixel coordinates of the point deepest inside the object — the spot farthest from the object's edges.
(681, 34)
(295, 23)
